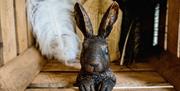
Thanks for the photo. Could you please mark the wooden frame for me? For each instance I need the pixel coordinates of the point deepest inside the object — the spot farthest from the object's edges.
(8, 33)
(21, 25)
(17, 71)
(173, 23)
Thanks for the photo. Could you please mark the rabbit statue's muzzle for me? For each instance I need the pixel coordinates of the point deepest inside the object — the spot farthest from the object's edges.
(94, 65)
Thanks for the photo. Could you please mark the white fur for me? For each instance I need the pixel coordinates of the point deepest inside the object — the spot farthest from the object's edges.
(53, 26)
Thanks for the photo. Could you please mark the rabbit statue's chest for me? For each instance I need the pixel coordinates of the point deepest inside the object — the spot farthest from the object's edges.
(96, 78)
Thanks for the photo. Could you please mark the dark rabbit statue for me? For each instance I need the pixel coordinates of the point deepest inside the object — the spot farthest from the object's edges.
(95, 74)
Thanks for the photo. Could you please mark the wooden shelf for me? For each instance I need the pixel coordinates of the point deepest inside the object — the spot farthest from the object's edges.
(138, 77)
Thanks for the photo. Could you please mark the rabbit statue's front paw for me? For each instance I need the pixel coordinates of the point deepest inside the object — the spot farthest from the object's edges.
(106, 85)
(86, 85)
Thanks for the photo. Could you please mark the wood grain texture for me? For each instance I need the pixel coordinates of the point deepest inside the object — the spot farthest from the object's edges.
(56, 66)
(173, 23)
(8, 30)
(21, 25)
(17, 74)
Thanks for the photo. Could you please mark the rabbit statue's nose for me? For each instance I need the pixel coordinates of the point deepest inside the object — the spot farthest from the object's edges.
(94, 65)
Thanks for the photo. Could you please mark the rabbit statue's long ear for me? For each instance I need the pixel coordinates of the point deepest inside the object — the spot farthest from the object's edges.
(83, 20)
(108, 20)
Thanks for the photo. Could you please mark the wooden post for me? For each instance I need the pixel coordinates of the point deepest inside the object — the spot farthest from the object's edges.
(162, 23)
(21, 25)
(8, 35)
(173, 23)
(1, 43)
(18, 73)
(179, 36)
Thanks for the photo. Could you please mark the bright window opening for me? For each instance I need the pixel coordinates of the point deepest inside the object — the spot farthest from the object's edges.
(156, 25)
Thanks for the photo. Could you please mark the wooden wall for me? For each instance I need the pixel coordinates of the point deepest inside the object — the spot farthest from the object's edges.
(173, 25)
(14, 33)
(96, 10)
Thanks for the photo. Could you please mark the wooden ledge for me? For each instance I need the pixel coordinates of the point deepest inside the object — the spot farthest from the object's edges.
(19, 72)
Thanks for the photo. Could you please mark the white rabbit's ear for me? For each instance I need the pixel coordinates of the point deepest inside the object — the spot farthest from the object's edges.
(108, 20)
(83, 20)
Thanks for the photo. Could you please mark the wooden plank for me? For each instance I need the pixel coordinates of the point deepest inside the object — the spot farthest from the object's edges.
(120, 89)
(21, 25)
(1, 42)
(31, 41)
(179, 36)
(168, 66)
(57, 66)
(166, 26)
(17, 74)
(162, 23)
(8, 30)
(173, 19)
(124, 80)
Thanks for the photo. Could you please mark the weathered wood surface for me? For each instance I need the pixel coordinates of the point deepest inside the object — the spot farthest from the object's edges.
(19, 72)
(168, 66)
(8, 33)
(138, 77)
(21, 25)
(173, 23)
(56, 66)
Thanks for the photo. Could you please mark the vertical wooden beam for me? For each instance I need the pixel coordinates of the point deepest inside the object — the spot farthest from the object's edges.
(162, 23)
(179, 36)
(8, 30)
(29, 34)
(1, 42)
(166, 26)
(173, 19)
(21, 25)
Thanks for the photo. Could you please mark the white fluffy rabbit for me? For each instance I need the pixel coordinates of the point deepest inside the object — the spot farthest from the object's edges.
(54, 28)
